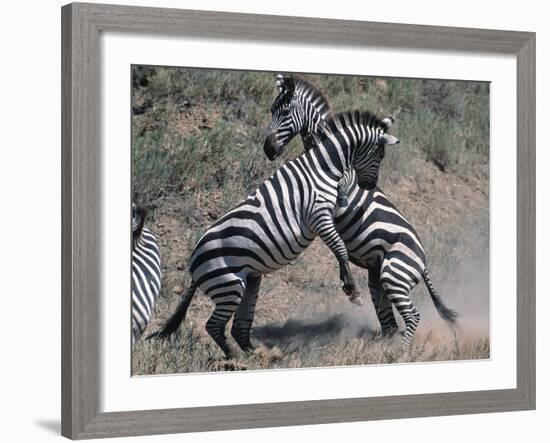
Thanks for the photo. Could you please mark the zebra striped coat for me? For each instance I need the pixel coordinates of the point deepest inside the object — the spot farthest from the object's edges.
(276, 223)
(377, 236)
(146, 273)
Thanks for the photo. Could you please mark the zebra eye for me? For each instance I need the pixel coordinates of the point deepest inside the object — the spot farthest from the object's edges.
(284, 112)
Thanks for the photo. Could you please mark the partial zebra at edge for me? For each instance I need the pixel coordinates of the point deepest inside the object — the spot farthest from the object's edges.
(146, 273)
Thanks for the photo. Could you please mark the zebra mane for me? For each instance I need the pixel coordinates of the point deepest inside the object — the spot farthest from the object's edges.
(307, 90)
(323, 105)
(334, 122)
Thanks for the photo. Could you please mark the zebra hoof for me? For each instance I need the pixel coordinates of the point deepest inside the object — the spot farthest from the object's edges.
(229, 365)
(389, 333)
(350, 291)
(385, 334)
(353, 294)
(156, 334)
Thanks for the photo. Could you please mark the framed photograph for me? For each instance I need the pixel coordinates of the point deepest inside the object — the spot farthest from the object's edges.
(292, 221)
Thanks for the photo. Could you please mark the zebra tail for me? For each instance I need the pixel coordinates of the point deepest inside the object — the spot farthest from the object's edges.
(447, 314)
(175, 320)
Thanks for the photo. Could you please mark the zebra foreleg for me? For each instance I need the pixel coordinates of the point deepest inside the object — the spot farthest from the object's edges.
(342, 198)
(244, 317)
(349, 287)
(325, 229)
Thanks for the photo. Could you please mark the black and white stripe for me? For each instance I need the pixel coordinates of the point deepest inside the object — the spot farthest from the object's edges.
(375, 233)
(146, 273)
(275, 224)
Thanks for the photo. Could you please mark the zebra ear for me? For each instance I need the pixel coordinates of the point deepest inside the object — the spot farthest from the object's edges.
(388, 122)
(280, 81)
(388, 139)
(289, 85)
(138, 219)
(285, 84)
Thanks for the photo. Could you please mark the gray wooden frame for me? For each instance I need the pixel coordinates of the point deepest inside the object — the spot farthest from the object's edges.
(81, 164)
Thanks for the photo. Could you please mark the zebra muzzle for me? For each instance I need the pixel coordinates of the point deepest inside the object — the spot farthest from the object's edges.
(270, 148)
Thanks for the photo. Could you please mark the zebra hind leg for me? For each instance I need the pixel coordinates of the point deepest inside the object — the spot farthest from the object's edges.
(410, 315)
(242, 322)
(397, 292)
(386, 317)
(382, 307)
(227, 298)
(412, 318)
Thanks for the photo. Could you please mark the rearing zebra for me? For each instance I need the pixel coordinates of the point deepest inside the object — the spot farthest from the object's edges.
(276, 223)
(146, 273)
(376, 235)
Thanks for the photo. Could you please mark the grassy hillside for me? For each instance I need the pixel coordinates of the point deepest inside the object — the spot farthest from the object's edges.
(197, 151)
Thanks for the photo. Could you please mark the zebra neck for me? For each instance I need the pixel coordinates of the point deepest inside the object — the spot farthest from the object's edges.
(348, 135)
(311, 128)
(315, 109)
(332, 158)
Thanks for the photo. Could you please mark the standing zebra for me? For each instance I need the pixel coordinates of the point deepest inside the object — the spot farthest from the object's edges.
(375, 233)
(276, 223)
(146, 273)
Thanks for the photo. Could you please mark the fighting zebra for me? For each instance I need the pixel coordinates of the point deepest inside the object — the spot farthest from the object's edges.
(276, 223)
(376, 235)
(146, 273)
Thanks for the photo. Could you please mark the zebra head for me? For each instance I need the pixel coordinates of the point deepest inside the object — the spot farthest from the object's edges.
(371, 150)
(287, 119)
(138, 219)
(299, 108)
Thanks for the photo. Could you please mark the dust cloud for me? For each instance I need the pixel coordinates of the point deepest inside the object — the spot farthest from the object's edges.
(467, 291)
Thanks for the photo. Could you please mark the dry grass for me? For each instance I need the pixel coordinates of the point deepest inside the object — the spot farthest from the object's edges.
(338, 335)
(198, 151)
